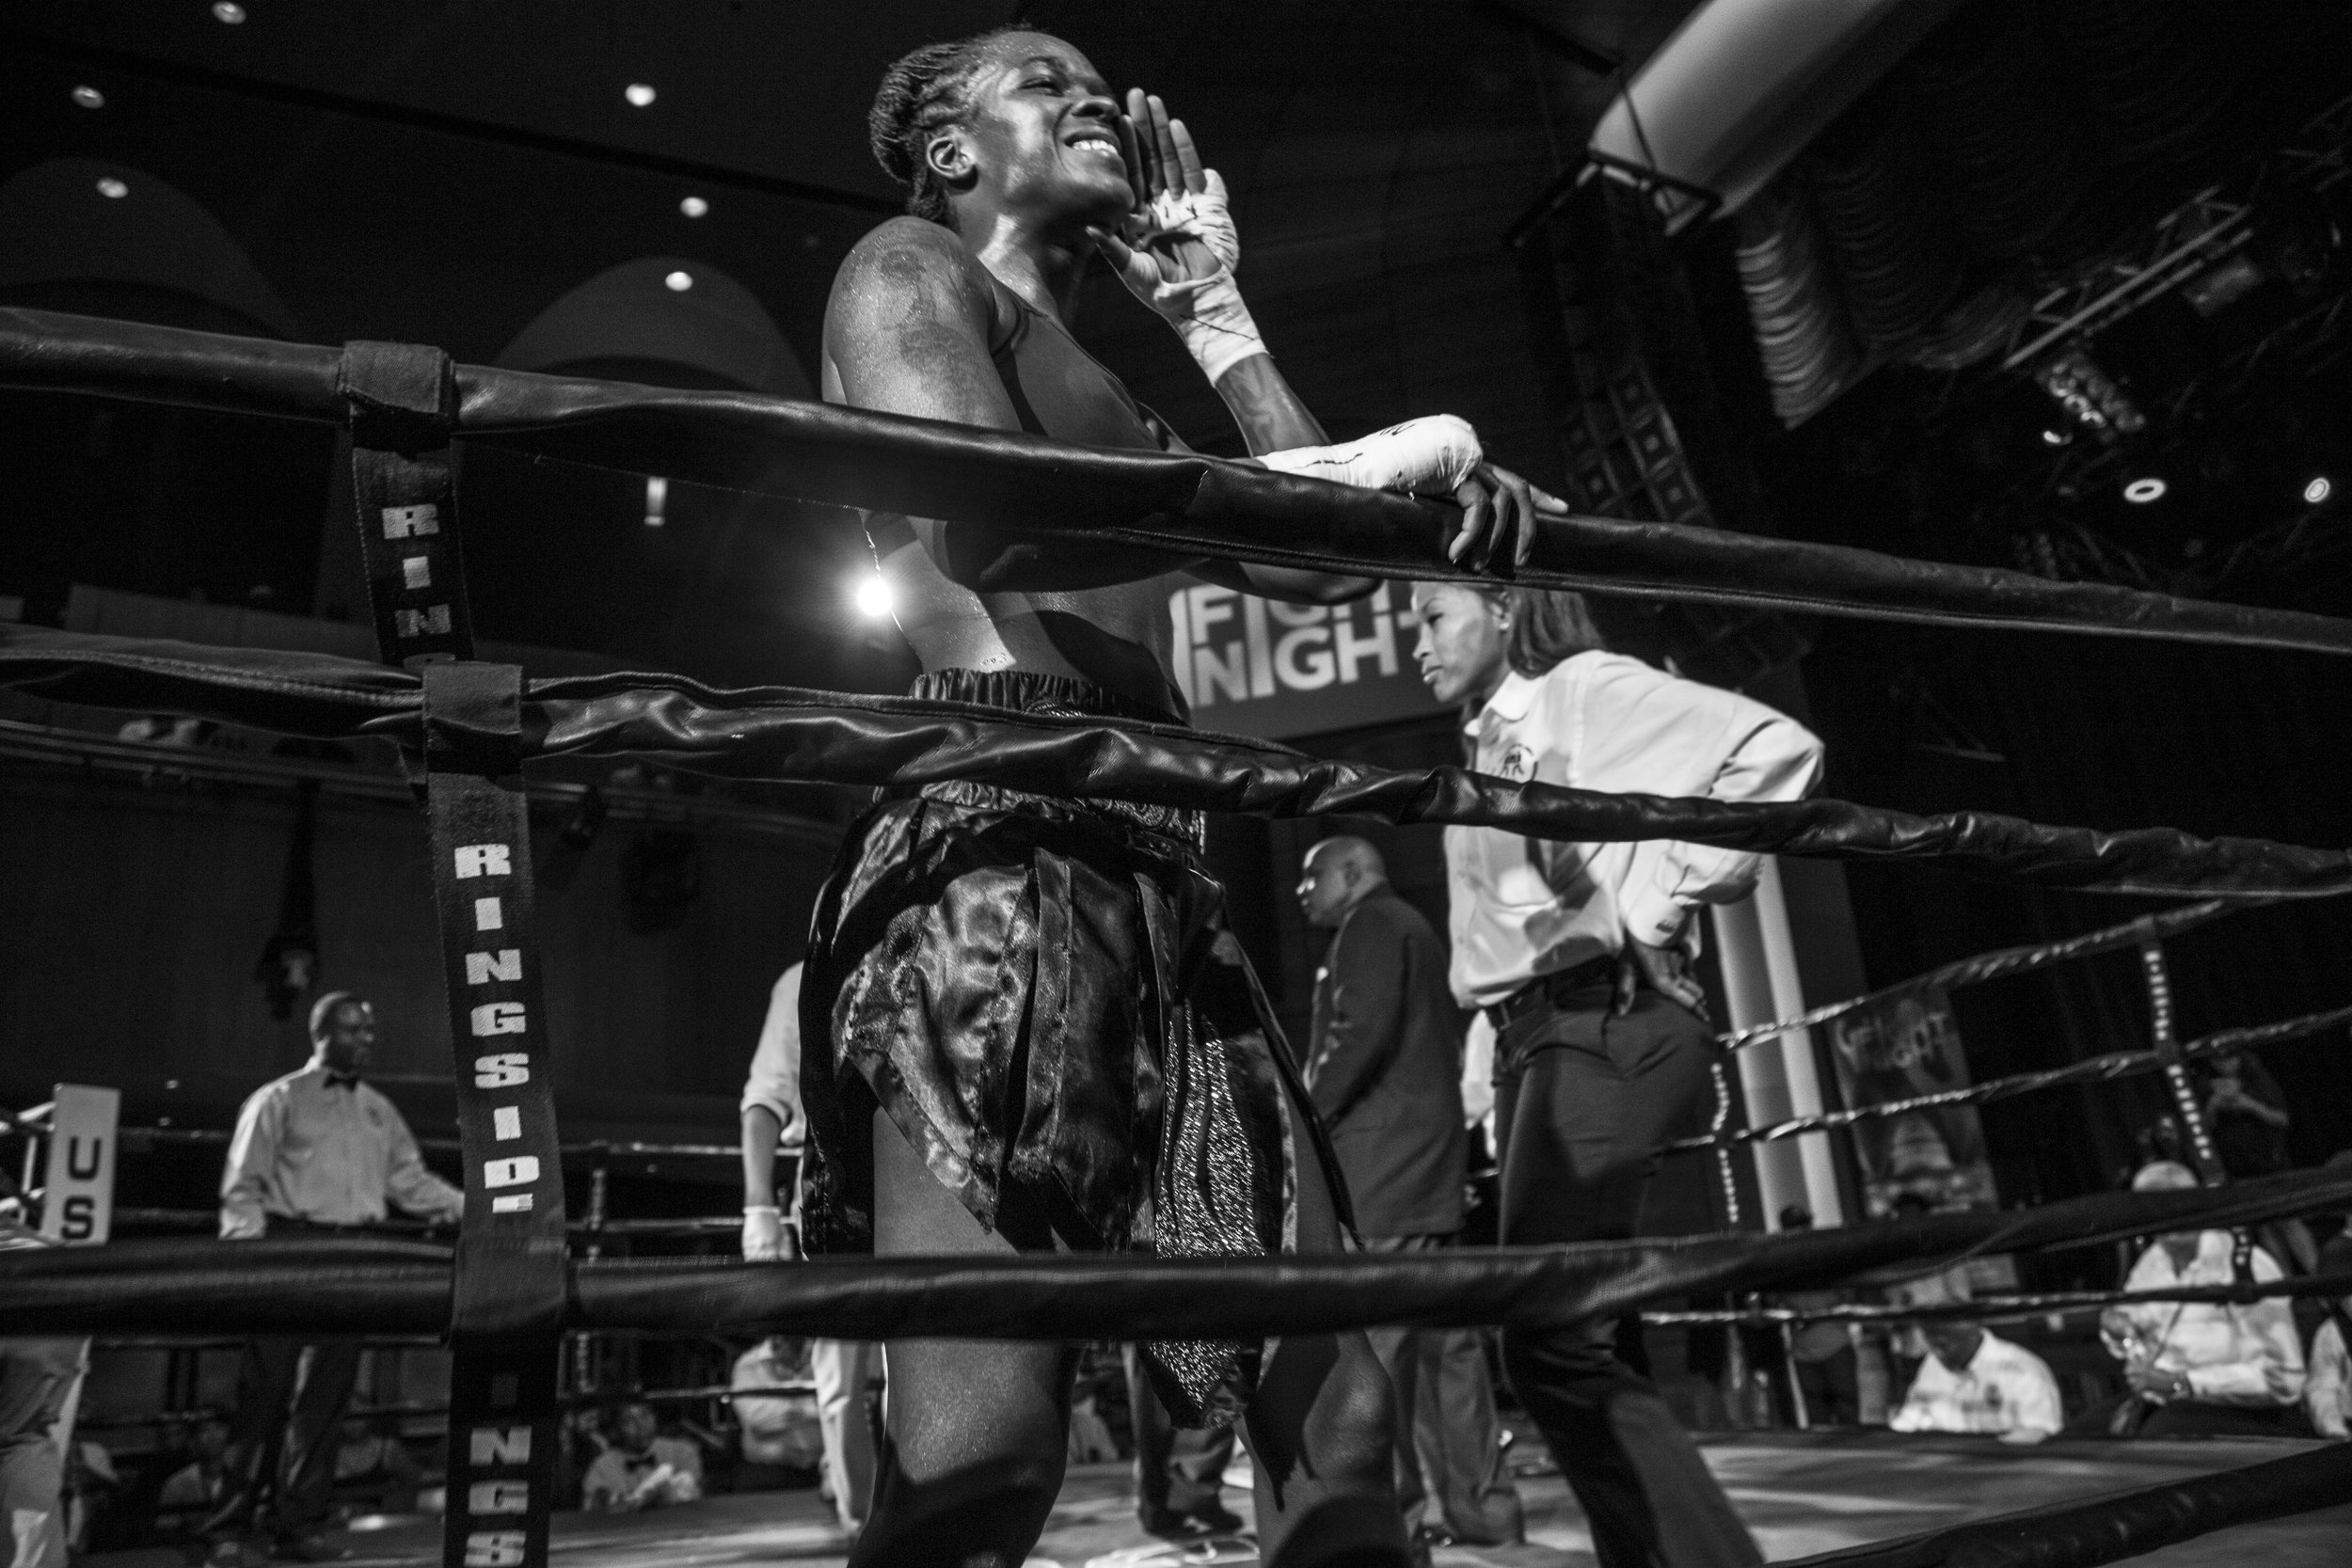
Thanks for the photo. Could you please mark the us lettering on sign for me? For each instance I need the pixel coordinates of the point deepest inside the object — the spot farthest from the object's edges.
(1258, 667)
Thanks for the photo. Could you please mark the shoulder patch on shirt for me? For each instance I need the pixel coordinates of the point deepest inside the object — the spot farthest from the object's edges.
(1517, 764)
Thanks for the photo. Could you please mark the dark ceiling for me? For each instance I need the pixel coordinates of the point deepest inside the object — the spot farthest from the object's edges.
(442, 173)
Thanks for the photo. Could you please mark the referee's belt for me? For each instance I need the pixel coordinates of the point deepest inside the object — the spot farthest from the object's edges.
(1548, 993)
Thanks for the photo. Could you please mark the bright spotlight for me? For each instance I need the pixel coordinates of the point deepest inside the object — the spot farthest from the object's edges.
(678, 282)
(89, 97)
(2139, 492)
(113, 189)
(229, 13)
(873, 596)
(656, 500)
(2318, 490)
(2053, 438)
(638, 94)
(694, 206)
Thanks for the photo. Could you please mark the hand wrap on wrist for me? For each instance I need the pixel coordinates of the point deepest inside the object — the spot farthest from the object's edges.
(1429, 457)
(1207, 313)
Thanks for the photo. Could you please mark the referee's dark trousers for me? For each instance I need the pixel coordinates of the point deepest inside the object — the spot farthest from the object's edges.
(1586, 1096)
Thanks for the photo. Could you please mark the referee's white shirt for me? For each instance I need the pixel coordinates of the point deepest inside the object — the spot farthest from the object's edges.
(1520, 907)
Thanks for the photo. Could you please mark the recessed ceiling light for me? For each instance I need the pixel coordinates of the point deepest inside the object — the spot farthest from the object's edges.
(89, 97)
(113, 189)
(679, 281)
(2053, 437)
(2139, 492)
(230, 12)
(2318, 490)
(638, 94)
(694, 206)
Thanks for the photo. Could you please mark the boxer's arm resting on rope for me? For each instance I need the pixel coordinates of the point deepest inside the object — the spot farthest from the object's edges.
(1179, 252)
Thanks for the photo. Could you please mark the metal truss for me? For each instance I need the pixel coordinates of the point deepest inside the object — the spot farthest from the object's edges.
(2186, 242)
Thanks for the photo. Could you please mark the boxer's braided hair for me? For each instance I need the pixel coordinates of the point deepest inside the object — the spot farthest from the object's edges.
(923, 93)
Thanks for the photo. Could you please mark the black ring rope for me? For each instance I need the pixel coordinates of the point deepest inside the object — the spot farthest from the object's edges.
(2000, 963)
(1992, 1308)
(2104, 1069)
(1028, 485)
(311, 1285)
(787, 733)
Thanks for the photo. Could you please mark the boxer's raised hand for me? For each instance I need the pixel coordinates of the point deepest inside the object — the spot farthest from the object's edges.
(1177, 250)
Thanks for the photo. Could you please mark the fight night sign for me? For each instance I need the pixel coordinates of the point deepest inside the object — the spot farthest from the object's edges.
(1252, 666)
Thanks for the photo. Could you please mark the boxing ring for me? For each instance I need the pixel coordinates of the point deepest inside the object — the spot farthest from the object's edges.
(508, 1289)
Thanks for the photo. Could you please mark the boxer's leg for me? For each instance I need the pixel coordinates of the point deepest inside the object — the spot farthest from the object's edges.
(976, 1433)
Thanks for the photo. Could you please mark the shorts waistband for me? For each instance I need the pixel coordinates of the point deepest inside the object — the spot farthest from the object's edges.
(1028, 692)
(1032, 691)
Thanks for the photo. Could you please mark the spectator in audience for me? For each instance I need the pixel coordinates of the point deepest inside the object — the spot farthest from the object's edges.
(36, 1375)
(1384, 1069)
(1821, 1358)
(374, 1465)
(641, 1469)
(91, 1485)
(1972, 1380)
(2204, 1368)
(2246, 1115)
(784, 1442)
(193, 1492)
(2327, 1391)
(1179, 1471)
(774, 1119)
(316, 1151)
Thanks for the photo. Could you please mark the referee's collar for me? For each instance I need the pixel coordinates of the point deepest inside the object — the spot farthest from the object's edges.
(1510, 702)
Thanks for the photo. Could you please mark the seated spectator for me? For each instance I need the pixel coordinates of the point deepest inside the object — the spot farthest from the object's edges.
(1972, 1380)
(2327, 1392)
(2204, 1368)
(191, 1493)
(784, 1442)
(641, 1469)
(375, 1466)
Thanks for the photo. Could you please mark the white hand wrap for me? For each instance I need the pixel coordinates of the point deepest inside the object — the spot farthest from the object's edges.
(1430, 456)
(1207, 313)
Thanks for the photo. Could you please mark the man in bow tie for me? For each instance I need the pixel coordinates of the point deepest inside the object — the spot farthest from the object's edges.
(316, 1151)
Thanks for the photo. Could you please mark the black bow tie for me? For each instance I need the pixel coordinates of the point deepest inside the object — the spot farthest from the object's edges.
(343, 1080)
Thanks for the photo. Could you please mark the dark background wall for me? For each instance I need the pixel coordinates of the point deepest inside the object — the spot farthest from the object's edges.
(134, 916)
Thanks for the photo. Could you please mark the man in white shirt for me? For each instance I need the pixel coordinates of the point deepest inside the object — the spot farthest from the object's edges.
(317, 1151)
(774, 1119)
(2207, 1367)
(1972, 1380)
(2327, 1392)
(641, 1469)
(1578, 954)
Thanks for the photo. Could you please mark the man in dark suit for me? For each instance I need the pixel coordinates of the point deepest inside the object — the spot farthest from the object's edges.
(1384, 1069)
